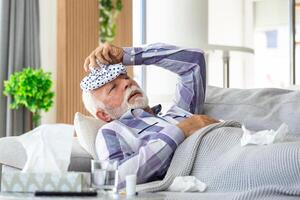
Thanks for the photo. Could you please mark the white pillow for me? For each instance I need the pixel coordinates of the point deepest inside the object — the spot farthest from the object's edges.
(86, 129)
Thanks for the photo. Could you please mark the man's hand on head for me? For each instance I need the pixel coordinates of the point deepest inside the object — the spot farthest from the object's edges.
(192, 124)
(104, 54)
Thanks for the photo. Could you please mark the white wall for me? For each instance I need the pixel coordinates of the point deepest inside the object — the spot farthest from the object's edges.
(231, 23)
(48, 42)
(226, 22)
(183, 23)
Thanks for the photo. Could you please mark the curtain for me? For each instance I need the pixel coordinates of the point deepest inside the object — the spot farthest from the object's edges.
(19, 48)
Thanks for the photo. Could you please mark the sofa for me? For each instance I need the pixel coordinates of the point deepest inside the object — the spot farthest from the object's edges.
(257, 109)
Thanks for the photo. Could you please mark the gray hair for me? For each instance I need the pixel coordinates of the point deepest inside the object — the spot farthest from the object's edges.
(90, 104)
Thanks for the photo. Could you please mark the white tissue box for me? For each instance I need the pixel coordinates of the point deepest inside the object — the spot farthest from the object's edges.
(31, 182)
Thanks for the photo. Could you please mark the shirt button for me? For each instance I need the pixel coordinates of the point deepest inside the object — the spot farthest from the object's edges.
(132, 51)
(155, 50)
(131, 59)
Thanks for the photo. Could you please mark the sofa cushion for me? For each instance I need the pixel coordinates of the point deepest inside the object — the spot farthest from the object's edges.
(86, 129)
(258, 109)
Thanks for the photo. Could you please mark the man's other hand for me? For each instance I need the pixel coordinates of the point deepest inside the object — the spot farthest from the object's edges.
(192, 124)
(104, 54)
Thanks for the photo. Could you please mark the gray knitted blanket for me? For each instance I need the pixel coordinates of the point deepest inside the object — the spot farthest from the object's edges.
(214, 155)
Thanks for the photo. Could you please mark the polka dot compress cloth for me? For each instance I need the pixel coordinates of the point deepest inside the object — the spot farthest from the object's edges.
(101, 75)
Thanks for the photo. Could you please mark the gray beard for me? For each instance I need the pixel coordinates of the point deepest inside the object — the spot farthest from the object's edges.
(139, 102)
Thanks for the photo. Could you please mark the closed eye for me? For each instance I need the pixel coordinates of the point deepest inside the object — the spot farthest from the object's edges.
(111, 89)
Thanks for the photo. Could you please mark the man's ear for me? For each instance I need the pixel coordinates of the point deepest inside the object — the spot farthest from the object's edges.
(103, 116)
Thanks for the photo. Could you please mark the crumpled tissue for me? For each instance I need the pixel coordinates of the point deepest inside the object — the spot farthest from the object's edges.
(187, 184)
(264, 137)
(48, 148)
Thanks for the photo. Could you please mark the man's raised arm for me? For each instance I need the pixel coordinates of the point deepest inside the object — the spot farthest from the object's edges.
(189, 64)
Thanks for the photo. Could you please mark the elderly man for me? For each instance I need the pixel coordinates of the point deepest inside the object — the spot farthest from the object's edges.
(141, 138)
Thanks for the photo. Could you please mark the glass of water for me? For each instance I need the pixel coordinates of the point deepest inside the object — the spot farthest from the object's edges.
(104, 175)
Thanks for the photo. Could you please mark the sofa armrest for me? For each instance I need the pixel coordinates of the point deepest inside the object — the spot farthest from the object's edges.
(12, 152)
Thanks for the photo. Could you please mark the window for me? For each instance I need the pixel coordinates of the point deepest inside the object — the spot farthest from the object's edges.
(298, 42)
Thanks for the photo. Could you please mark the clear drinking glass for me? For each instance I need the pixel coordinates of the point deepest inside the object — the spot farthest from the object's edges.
(104, 174)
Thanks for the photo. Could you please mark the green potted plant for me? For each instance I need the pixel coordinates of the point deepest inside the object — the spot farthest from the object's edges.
(108, 13)
(30, 88)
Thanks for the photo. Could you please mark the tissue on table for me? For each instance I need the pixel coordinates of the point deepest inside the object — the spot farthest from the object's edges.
(48, 148)
(187, 184)
(264, 137)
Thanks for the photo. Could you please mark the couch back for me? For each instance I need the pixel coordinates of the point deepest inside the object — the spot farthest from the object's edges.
(258, 109)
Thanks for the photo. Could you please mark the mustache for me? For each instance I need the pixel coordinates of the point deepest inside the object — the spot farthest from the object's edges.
(131, 90)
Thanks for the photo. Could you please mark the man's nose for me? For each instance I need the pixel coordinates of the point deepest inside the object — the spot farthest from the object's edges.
(127, 83)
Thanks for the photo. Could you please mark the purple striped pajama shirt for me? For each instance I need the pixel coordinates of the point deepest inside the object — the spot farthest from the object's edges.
(144, 143)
